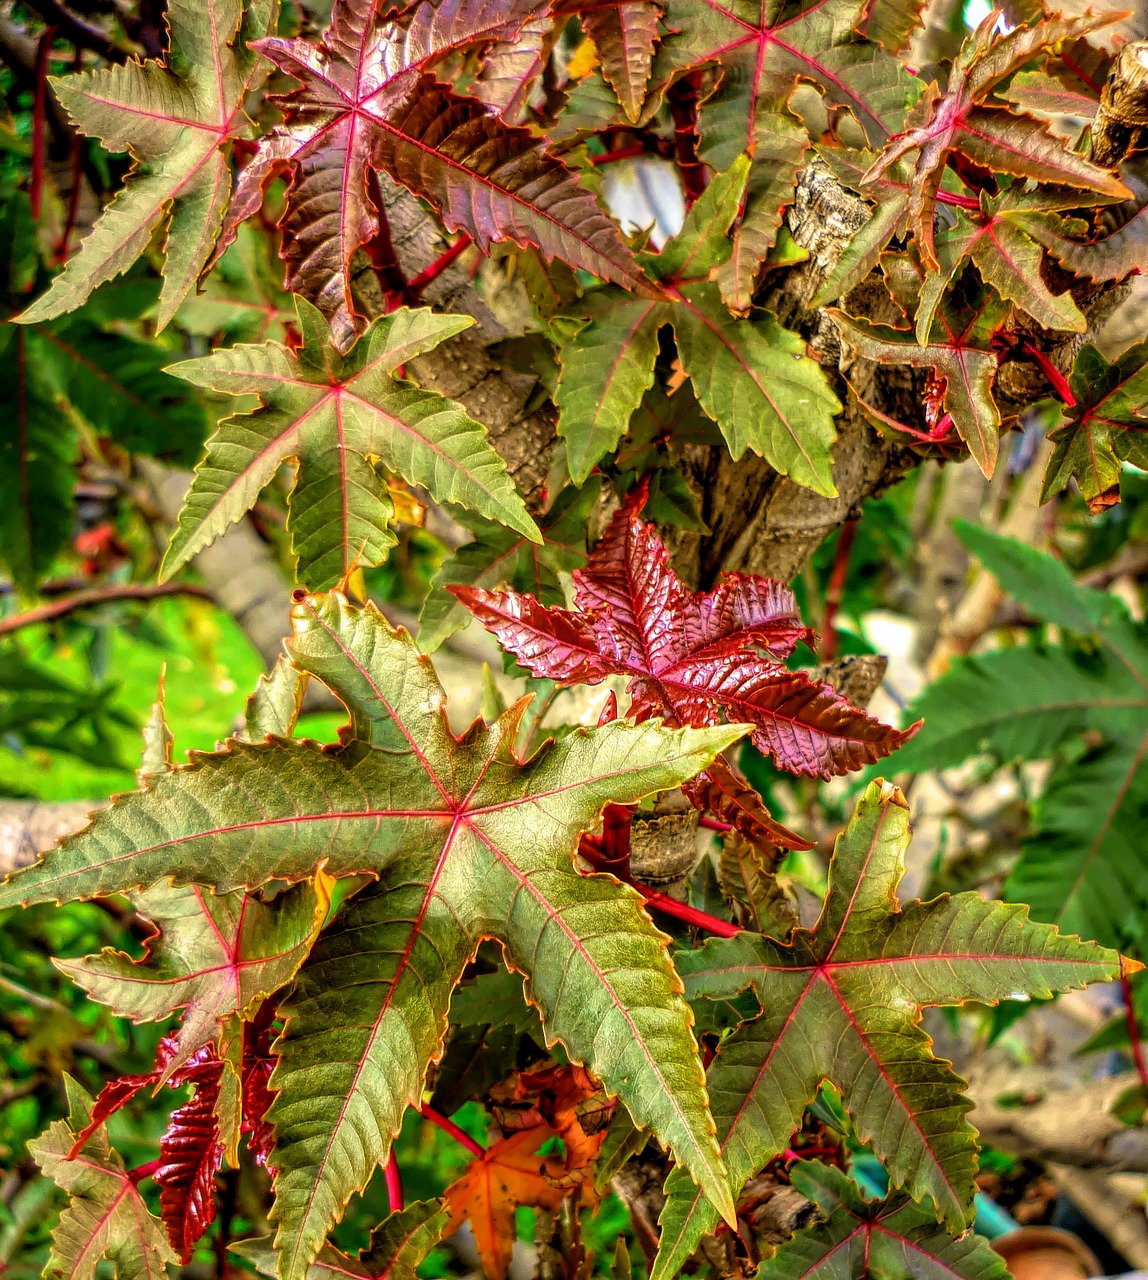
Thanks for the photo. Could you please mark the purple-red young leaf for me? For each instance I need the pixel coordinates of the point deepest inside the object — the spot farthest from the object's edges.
(691, 657)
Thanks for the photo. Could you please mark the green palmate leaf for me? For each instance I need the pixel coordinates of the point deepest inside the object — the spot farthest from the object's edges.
(763, 50)
(106, 1216)
(495, 1000)
(1105, 428)
(397, 1247)
(369, 1010)
(862, 1239)
(959, 350)
(499, 556)
(212, 956)
(274, 706)
(336, 416)
(1008, 258)
(606, 370)
(752, 377)
(1081, 868)
(177, 118)
(466, 842)
(841, 1002)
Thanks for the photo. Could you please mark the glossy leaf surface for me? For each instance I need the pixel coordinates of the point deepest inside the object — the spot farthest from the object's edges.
(689, 656)
(369, 101)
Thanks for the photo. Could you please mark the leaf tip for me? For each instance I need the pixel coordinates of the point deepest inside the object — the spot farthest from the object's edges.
(889, 792)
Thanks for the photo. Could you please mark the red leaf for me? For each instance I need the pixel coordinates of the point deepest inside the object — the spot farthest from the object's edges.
(692, 657)
(258, 1062)
(191, 1153)
(114, 1095)
(367, 103)
(962, 122)
(731, 799)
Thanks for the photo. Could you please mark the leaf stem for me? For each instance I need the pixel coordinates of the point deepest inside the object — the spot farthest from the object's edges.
(39, 118)
(622, 153)
(438, 266)
(714, 824)
(99, 595)
(448, 1126)
(142, 1171)
(1133, 1030)
(1051, 372)
(380, 250)
(394, 1180)
(960, 202)
(684, 912)
(836, 588)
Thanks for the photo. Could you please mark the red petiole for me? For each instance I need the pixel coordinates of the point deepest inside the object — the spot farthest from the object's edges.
(448, 1126)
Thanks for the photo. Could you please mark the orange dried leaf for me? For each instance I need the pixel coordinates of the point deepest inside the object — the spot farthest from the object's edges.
(508, 1174)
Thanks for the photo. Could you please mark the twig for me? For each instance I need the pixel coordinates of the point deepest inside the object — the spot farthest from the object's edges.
(622, 153)
(31, 997)
(448, 1126)
(380, 251)
(96, 596)
(75, 30)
